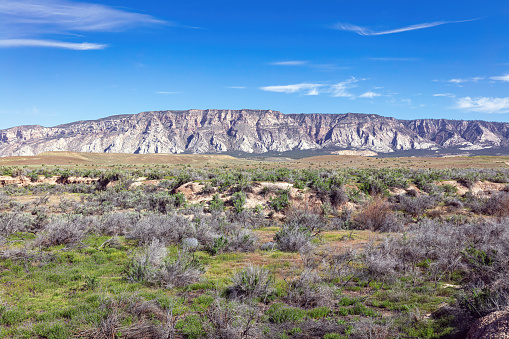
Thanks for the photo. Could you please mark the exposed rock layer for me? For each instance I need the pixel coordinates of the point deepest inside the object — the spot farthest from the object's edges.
(250, 131)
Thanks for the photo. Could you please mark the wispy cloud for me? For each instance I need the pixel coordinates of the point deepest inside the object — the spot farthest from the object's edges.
(28, 22)
(163, 92)
(71, 16)
(369, 95)
(83, 46)
(236, 87)
(308, 64)
(447, 95)
(475, 79)
(393, 59)
(289, 63)
(327, 67)
(339, 89)
(309, 88)
(458, 81)
(369, 32)
(484, 104)
(501, 78)
(404, 102)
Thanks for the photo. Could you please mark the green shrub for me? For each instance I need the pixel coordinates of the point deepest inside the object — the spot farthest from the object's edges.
(347, 301)
(295, 330)
(299, 184)
(450, 189)
(218, 245)
(192, 326)
(180, 199)
(280, 313)
(343, 311)
(333, 336)
(238, 201)
(318, 312)
(430, 329)
(201, 302)
(52, 330)
(477, 258)
(361, 309)
(33, 176)
(281, 201)
(216, 204)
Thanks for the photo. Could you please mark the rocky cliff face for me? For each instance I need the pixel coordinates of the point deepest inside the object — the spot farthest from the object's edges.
(250, 131)
(460, 133)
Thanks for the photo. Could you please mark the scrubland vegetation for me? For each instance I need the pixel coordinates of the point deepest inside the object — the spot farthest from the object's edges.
(180, 252)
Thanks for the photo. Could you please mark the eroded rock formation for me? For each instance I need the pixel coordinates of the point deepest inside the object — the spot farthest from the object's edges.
(250, 131)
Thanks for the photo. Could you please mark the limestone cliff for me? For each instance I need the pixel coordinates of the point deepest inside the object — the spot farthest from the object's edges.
(250, 131)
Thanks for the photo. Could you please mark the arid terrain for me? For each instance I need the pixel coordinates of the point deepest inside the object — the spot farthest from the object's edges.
(254, 169)
(217, 160)
(213, 246)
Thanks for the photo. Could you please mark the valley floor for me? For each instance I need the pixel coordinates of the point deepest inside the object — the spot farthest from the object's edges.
(223, 249)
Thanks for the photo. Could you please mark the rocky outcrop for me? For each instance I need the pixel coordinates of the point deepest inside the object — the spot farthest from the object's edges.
(461, 133)
(492, 326)
(250, 131)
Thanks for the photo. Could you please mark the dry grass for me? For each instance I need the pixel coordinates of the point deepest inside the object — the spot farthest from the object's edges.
(334, 161)
(105, 159)
(218, 160)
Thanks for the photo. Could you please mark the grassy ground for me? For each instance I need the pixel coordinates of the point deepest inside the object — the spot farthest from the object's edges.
(359, 253)
(65, 291)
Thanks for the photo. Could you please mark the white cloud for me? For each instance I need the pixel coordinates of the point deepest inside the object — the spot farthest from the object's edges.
(311, 89)
(475, 79)
(83, 46)
(369, 32)
(340, 89)
(447, 95)
(484, 104)
(314, 91)
(335, 90)
(457, 81)
(70, 15)
(236, 87)
(27, 22)
(369, 95)
(501, 78)
(289, 63)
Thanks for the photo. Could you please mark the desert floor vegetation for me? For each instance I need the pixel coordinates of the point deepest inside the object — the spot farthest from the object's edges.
(181, 251)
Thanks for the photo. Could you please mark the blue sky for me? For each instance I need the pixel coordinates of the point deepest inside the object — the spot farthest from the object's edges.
(62, 61)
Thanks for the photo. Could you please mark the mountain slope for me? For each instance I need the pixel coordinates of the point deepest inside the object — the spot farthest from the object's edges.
(250, 131)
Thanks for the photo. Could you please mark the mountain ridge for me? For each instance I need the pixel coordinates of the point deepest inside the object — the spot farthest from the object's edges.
(251, 131)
